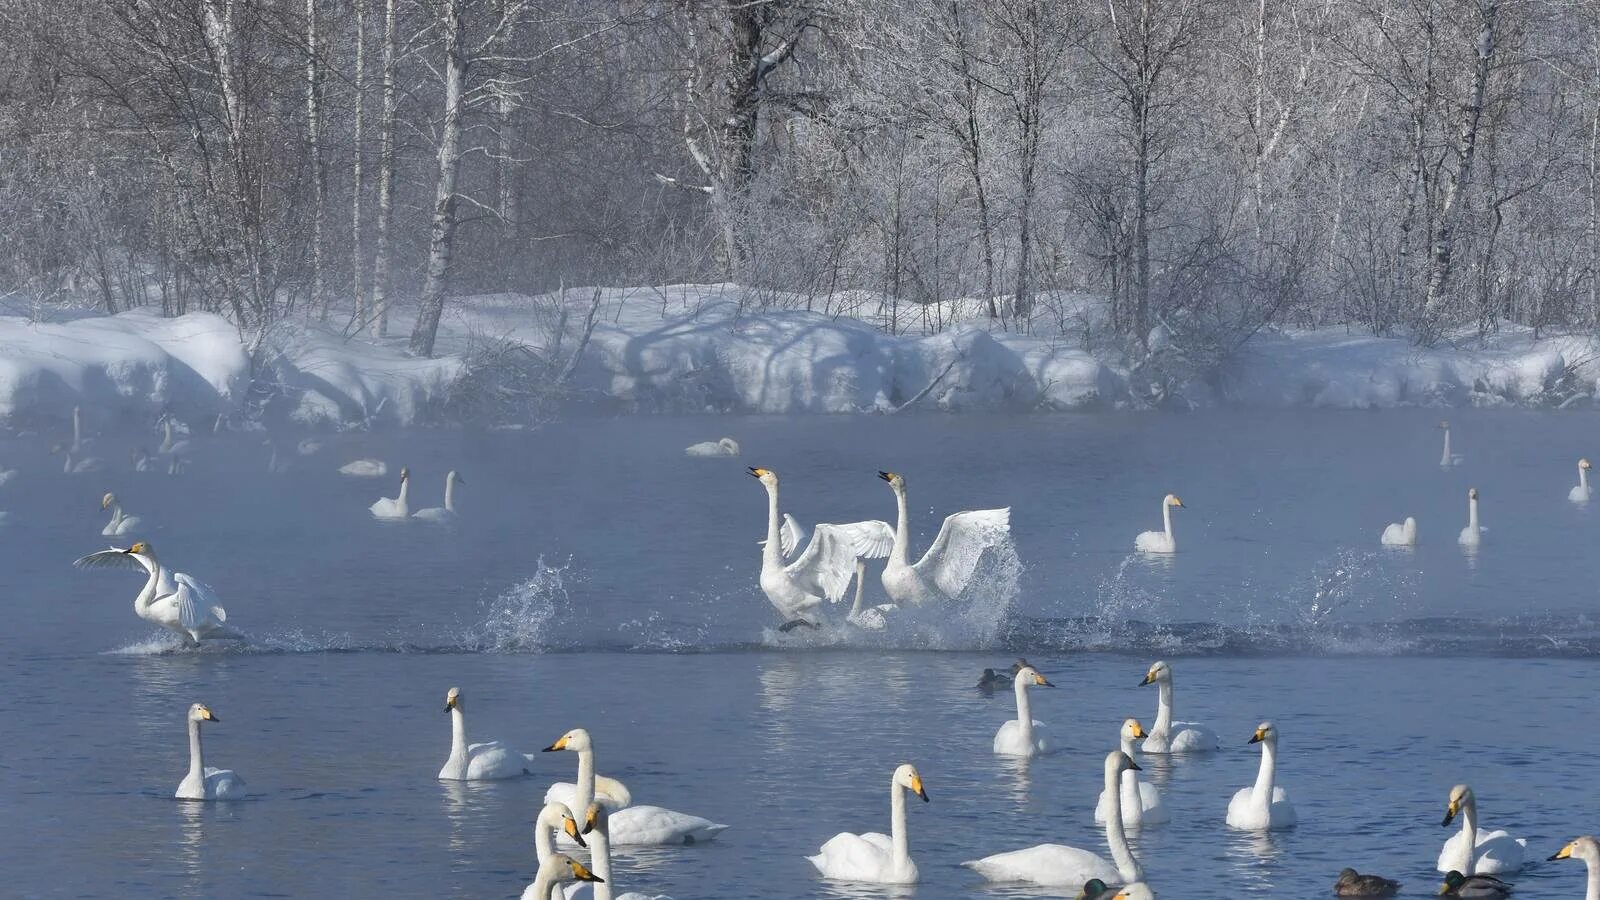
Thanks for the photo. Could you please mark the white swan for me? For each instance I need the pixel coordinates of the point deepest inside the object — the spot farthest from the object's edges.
(1016, 737)
(1057, 865)
(6, 475)
(1448, 459)
(637, 826)
(945, 569)
(876, 857)
(1579, 494)
(1167, 736)
(488, 761)
(172, 600)
(552, 818)
(823, 571)
(142, 460)
(872, 539)
(396, 508)
(1161, 541)
(589, 786)
(1264, 806)
(1473, 852)
(597, 826)
(446, 513)
(556, 870)
(725, 447)
(1401, 534)
(170, 444)
(120, 523)
(203, 783)
(1141, 800)
(1472, 535)
(365, 468)
(1587, 849)
(308, 446)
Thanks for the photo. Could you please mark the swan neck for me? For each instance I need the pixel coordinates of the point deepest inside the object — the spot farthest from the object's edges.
(1267, 774)
(1583, 482)
(405, 488)
(1024, 711)
(450, 492)
(77, 428)
(1594, 879)
(544, 886)
(897, 825)
(901, 553)
(116, 515)
(1163, 724)
(148, 594)
(544, 843)
(1166, 518)
(197, 767)
(1469, 827)
(1444, 460)
(600, 860)
(1116, 836)
(458, 735)
(772, 550)
(585, 780)
(1472, 513)
(1128, 748)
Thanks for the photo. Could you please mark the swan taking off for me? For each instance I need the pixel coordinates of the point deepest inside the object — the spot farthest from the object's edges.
(1141, 800)
(365, 468)
(203, 783)
(1354, 884)
(1167, 736)
(1016, 737)
(1587, 849)
(1057, 865)
(1448, 459)
(876, 857)
(872, 539)
(796, 589)
(725, 447)
(446, 513)
(120, 523)
(1401, 534)
(1472, 535)
(640, 826)
(1474, 852)
(488, 761)
(1265, 806)
(1580, 494)
(1161, 541)
(172, 600)
(397, 507)
(944, 571)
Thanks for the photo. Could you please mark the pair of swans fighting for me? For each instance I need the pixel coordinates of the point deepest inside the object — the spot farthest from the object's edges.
(399, 508)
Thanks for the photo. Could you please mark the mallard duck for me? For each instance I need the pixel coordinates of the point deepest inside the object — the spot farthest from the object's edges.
(1354, 884)
(1483, 887)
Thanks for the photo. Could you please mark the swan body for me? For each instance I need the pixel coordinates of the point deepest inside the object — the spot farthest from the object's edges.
(204, 783)
(1482, 887)
(120, 523)
(875, 857)
(947, 567)
(1472, 535)
(1161, 541)
(394, 507)
(1401, 534)
(446, 513)
(490, 761)
(1579, 494)
(1141, 800)
(1016, 737)
(173, 600)
(1587, 849)
(1354, 884)
(1448, 459)
(365, 468)
(872, 539)
(1474, 852)
(1167, 736)
(725, 447)
(1264, 806)
(821, 572)
(1057, 865)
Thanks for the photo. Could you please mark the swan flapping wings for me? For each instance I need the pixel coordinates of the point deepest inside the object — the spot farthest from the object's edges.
(954, 555)
(195, 599)
(109, 559)
(827, 565)
(872, 539)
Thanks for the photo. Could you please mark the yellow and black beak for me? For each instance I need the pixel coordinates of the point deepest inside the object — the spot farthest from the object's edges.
(1258, 737)
(1041, 681)
(1138, 731)
(1451, 812)
(886, 476)
(560, 744)
(917, 788)
(451, 703)
(571, 828)
(1149, 678)
(757, 472)
(1563, 853)
(208, 715)
(582, 873)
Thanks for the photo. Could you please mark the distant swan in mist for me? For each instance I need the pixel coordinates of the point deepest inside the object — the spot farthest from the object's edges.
(488, 761)
(6, 475)
(947, 567)
(1579, 494)
(396, 507)
(1161, 541)
(170, 444)
(1474, 852)
(1448, 459)
(1401, 534)
(120, 523)
(276, 464)
(823, 571)
(1016, 736)
(173, 600)
(1472, 535)
(1141, 800)
(203, 783)
(142, 460)
(365, 468)
(1264, 806)
(1167, 736)
(876, 857)
(446, 513)
(725, 447)
(1587, 849)
(76, 461)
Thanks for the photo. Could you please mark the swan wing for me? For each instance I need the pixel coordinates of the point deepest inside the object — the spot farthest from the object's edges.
(655, 826)
(854, 856)
(872, 539)
(791, 534)
(1048, 864)
(954, 555)
(1498, 852)
(108, 559)
(195, 600)
(224, 784)
(613, 793)
(826, 566)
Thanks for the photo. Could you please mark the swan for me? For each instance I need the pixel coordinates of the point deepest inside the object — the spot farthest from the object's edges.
(1401, 534)
(1161, 541)
(177, 464)
(872, 539)
(76, 464)
(142, 460)
(875, 857)
(1483, 887)
(489, 761)
(172, 600)
(1448, 459)
(6, 475)
(1167, 736)
(446, 513)
(1473, 852)
(1587, 849)
(597, 825)
(1579, 494)
(823, 570)
(308, 446)
(365, 468)
(120, 524)
(202, 783)
(1354, 884)
(553, 817)
(555, 871)
(1264, 807)
(1141, 800)
(589, 786)
(1015, 737)
(1057, 865)
(948, 565)
(1472, 535)
(396, 508)
(638, 826)
(170, 444)
(725, 447)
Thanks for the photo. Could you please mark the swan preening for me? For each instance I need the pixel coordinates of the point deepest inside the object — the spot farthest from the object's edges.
(1264, 806)
(1354, 884)
(120, 523)
(1580, 494)
(1167, 736)
(1016, 737)
(204, 783)
(1161, 541)
(945, 569)
(876, 857)
(172, 600)
(1472, 535)
(629, 825)
(446, 513)
(1448, 459)
(821, 572)
(1057, 865)
(1401, 534)
(488, 761)
(365, 468)
(1473, 852)
(1141, 800)
(725, 447)
(396, 507)
(1587, 849)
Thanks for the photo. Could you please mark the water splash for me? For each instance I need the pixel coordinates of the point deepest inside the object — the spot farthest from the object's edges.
(521, 618)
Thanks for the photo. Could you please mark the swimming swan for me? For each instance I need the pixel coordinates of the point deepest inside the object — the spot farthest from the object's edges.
(553, 817)
(1472, 535)
(1587, 849)
(1473, 852)
(589, 786)
(76, 462)
(947, 566)
(1448, 459)
(1161, 541)
(1580, 494)
(446, 513)
(172, 600)
(396, 508)
(725, 447)
(120, 523)
(489, 761)
(638, 826)
(1354, 884)
(1264, 807)
(1015, 737)
(365, 468)
(1057, 865)
(1482, 887)
(598, 828)
(1401, 534)
(203, 783)
(1167, 736)
(170, 445)
(875, 857)
(796, 590)
(1141, 800)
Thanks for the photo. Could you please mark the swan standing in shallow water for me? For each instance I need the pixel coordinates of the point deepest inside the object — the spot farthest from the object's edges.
(172, 600)
(639, 826)
(823, 571)
(1265, 806)
(489, 761)
(1167, 736)
(1161, 541)
(1401, 534)
(1016, 737)
(725, 447)
(1141, 800)
(1587, 849)
(203, 783)
(120, 523)
(1057, 865)
(1472, 852)
(446, 513)
(365, 468)
(876, 857)
(945, 569)
(1580, 494)
(1472, 535)
(1448, 459)
(397, 507)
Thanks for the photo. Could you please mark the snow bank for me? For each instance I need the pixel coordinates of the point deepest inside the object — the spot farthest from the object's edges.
(321, 380)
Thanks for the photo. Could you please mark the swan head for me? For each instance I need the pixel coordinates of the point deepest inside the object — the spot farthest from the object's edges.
(1444, 426)
(405, 475)
(452, 699)
(141, 548)
(199, 712)
(765, 476)
(897, 482)
(1159, 672)
(906, 776)
(1172, 500)
(1472, 493)
(1118, 762)
(1584, 464)
(107, 500)
(576, 740)
(597, 818)
(557, 815)
(1266, 733)
(568, 869)
(730, 445)
(1029, 676)
(1132, 730)
(452, 475)
(1585, 848)
(1461, 798)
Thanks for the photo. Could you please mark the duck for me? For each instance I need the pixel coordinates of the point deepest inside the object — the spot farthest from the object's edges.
(395, 508)
(1141, 800)
(725, 447)
(991, 681)
(1161, 541)
(875, 857)
(948, 565)
(120, 523)
(1354, 884)
(202, 782)
(489, 761)
(1481, 887)
(1167, 736)
(1265, 806)
(1474, 852)
(1586, 848)
(1016, 736)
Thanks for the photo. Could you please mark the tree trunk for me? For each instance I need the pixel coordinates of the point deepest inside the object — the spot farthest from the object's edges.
(319, 296)
(442, 235)
(386, 127)
(358, 262)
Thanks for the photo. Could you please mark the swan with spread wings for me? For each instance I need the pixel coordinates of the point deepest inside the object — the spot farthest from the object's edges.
(173, 600)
